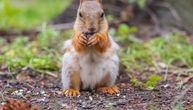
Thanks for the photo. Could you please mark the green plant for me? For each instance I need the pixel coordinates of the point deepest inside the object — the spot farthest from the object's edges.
(125, 29)
(24, 53)
(47, 36)
(173, 48)
(152, 81)
(150, 84)
(135, 82)
(136, 57)
(153, 106)
(140, 3)
(124, 34)
(110, 106)
(178, 106)
(167, 49)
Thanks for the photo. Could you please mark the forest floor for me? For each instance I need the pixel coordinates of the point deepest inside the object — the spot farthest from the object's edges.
(157, 72)
(44, 91)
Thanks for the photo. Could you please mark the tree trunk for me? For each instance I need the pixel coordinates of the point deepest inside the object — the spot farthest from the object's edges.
(184, 8)
(174, 13)
(169, 13)
(111, 6)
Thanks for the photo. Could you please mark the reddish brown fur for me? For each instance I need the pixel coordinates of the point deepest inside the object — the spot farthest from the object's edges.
(75, 81)
(100, 41)
(101, 45)
(104, 82)
(104, 42)
(81, 1)
(76, 44)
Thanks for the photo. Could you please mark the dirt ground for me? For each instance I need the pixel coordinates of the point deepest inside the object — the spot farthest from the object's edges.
(44, 91)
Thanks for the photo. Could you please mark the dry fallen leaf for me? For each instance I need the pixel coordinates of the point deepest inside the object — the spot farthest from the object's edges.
(23, 76)
(14, 104)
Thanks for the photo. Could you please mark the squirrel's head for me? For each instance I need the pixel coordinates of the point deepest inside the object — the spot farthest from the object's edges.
(90, 17)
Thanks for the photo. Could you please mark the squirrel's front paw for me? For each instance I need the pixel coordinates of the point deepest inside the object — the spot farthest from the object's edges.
(83, 39)
(93, 40)
(110, 90)
(71, 92)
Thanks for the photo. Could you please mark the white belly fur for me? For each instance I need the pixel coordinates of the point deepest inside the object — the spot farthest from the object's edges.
(92, 67)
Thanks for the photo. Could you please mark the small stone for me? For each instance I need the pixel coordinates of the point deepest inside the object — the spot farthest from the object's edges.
(43, 100)
(42, 92)
(18, 92)
(66, 106)
(90, 98)
(21, 90)
(86, 105)
(166, 86)
(122, 102)
(59, 92)
(28, 92)
(3, 103)
(162, 65)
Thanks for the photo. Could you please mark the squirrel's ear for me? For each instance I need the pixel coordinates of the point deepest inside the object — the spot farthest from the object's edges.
(100, 1)
(81, 1)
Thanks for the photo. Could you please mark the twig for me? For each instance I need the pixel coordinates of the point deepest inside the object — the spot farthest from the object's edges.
(6, 73)
(36, 31)
(113, 8)
(188, 79)
(48, 73)
(181, 96)
(155, 21)
(2, 95)
(166, 74)
(62, 26)
(58, 26)
(51, 74)
(171, 9)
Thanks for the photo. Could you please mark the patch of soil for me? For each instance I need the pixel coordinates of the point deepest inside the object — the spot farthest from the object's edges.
(44, 91)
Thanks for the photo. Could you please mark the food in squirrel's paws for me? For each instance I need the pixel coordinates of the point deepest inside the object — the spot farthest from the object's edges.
(89, 64)
(89, 34)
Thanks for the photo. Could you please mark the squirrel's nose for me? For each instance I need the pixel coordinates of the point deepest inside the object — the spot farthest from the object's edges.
(92, 30)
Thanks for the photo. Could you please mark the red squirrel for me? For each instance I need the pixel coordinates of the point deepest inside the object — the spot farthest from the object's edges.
(90, 60)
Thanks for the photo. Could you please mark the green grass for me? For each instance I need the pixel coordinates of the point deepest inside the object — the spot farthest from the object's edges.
(42, 53)
(22, 14)
(168, 49)
(36, 54)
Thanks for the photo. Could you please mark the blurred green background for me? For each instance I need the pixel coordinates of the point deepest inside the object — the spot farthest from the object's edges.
(22, 14)
(42, 50)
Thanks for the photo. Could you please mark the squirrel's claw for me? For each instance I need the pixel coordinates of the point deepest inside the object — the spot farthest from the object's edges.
(82, 40)
(71, 92)
(93, 40)
(110, 90)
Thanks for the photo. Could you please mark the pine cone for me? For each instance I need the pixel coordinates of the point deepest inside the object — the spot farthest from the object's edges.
(13, 104)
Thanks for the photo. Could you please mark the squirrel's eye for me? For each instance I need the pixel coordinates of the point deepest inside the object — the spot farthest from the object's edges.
(80, 14)
(102, 15)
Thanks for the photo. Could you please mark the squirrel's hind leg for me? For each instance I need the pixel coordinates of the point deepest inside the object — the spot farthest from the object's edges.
(105, 85)
(111, 90)
(70, 76)
(74, 85)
